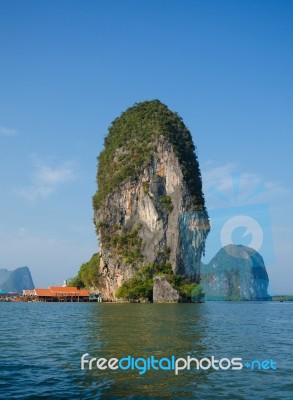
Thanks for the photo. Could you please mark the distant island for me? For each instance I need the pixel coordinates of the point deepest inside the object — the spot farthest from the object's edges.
(16, 280)
(282, 297)
(236, 272)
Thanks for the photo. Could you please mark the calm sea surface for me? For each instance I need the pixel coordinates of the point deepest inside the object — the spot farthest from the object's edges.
(42, 343)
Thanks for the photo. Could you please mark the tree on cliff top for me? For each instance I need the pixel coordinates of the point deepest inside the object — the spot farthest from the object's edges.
(88, 275)
(130, 144)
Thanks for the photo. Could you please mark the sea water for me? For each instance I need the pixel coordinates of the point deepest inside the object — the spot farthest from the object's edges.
(42, 345)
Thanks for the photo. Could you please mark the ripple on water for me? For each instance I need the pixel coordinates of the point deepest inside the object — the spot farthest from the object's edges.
(41, 345)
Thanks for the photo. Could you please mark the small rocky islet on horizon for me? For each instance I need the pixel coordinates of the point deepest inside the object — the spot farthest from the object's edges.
(152, 222)
(12, 283)
(16, 280)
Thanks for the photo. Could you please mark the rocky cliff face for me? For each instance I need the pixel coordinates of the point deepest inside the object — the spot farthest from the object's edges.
(164, 292)
(155, 215)
(236, 273)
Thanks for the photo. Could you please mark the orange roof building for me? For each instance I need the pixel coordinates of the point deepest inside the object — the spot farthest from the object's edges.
(59, 293)
(70, 290)
(43, 293)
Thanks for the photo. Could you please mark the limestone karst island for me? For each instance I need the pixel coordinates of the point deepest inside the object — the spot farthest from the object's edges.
(150, 215)
(152, 224)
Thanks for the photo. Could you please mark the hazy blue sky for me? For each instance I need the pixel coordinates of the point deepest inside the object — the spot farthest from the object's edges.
(68, 68)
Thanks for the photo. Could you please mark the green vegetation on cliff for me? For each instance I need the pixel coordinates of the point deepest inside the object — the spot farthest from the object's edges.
(88, 274)
(141, 286)
(282, 298)
(130, 143)
(126, 244)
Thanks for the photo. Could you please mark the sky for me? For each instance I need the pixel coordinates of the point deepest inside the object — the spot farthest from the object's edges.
(69, 67)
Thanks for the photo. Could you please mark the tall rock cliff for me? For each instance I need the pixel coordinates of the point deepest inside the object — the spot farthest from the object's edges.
(235, 273)
(149, 207)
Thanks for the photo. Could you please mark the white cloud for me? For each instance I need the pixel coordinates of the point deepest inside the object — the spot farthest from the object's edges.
(228, 185)
(218, 176)
(4, 131)
(225, 184)
(46, 179)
